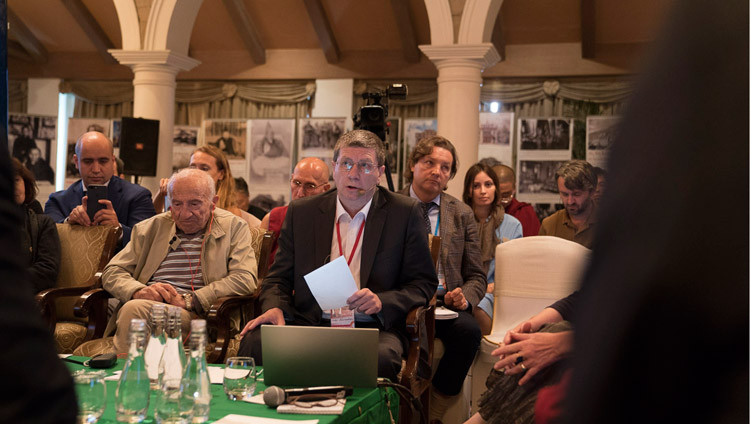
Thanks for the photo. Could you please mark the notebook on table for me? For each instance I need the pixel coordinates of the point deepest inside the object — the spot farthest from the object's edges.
(319, 356)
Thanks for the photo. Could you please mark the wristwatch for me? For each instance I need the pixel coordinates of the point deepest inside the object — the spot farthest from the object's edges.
(188, 298)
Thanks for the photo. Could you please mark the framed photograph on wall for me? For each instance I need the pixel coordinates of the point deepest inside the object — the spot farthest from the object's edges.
(184, 141)
(544, 144)
(229, 136)
(600, 134)
(415, 130)
(496, 137)
(270, 159)
(32, 140)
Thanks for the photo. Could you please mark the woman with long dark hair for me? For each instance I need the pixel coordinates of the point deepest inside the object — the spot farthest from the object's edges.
(40, 244)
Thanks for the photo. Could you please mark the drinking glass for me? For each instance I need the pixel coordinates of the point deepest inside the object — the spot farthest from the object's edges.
(239, 377)
(91, 393)
(174, 403)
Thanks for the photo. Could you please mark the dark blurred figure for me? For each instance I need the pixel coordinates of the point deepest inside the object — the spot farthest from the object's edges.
(40, 244)
(37, 387)
(663, 324)
(242, 199)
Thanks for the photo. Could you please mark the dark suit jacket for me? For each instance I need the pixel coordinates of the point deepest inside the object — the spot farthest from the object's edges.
(396, 262)
(132, 203)
(460, 253)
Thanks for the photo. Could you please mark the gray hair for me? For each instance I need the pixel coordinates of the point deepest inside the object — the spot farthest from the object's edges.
(577, 175)
(79, 142)
(209, 188)
(361, 138)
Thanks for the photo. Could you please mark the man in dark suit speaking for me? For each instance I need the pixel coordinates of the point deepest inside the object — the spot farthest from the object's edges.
(391, 266)
(126, 204)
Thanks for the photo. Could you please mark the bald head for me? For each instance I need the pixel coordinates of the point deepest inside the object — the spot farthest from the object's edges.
(310, 177)
(506, 184)
(505, 174)
(94, 158)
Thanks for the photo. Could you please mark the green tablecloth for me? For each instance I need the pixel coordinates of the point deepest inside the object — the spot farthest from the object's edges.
(364, 406)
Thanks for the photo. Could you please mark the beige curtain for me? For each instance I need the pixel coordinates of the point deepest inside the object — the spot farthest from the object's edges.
(18, 93)
(197, 100)
(556, 98)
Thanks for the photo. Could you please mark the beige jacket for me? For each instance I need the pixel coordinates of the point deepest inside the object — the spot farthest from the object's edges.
(227, 261)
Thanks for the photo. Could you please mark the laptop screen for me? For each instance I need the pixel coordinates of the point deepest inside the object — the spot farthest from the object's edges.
(319, 356)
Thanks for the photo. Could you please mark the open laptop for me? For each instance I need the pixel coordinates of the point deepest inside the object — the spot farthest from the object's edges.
(319, 356)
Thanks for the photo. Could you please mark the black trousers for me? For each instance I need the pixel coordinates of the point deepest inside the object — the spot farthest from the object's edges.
(461, 337)
(391, 349)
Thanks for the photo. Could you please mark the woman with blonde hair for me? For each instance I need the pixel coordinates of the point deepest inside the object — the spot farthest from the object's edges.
(211, 160)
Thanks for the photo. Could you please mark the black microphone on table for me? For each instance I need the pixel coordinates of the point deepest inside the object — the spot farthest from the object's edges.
(274, 396)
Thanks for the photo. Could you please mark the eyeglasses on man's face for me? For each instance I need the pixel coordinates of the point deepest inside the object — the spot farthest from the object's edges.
(364, 166)
(304, 186)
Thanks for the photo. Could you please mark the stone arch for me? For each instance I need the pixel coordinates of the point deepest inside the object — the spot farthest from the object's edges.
(441, 22)
(170, 24)
(130, 27)
(478, 21)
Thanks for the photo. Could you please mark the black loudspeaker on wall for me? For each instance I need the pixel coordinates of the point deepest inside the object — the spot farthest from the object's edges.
(139, 146)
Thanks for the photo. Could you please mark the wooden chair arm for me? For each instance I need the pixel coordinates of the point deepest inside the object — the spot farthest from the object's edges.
(94, 305)
(218, 318)
(420, 327)
(45, 299)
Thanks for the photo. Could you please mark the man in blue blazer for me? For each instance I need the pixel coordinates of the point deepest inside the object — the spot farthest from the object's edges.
(126, 204)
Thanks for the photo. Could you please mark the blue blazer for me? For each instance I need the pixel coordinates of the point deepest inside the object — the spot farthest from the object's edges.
(132, 203)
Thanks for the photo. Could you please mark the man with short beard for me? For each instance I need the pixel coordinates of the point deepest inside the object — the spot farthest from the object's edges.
(576, 182)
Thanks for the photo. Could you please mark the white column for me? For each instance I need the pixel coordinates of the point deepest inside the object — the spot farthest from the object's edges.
(459, 82)
(42, 99)
(154, 98)
(334, 98)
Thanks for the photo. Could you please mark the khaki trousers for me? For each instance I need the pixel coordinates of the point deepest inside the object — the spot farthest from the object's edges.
(141, 308)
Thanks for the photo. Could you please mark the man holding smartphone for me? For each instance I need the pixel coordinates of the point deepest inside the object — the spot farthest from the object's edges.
(121, 203)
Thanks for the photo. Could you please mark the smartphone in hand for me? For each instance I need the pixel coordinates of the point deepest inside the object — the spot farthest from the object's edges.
(95, 193)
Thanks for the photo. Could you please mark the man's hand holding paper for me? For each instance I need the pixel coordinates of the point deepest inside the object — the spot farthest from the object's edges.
(333, 285)
(365, 302)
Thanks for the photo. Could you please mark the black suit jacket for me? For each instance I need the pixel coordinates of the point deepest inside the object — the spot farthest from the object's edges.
(396, 262)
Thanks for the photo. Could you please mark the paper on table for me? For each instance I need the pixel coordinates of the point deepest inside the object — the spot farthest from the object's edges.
(242, 419)
(332, 284)
(216, 375)
(336, 409)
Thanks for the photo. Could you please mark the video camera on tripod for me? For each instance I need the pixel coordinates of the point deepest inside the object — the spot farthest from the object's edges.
(372, 116)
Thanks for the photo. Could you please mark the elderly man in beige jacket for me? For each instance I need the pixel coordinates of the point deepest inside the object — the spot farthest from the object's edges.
(186, 257)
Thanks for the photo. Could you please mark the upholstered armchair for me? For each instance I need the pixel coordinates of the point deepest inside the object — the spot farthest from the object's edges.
(84, 251)
(225, 318)
(228, 315)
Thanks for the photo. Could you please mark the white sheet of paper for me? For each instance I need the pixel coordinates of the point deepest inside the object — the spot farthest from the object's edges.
(332, 284)
(216, 375)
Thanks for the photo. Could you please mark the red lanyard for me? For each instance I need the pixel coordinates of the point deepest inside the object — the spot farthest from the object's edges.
(356, 242)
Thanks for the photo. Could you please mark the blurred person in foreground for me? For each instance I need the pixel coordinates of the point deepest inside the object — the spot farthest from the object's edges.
(37, 387)
(663, 318)
(40, 243)
(310, 177)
